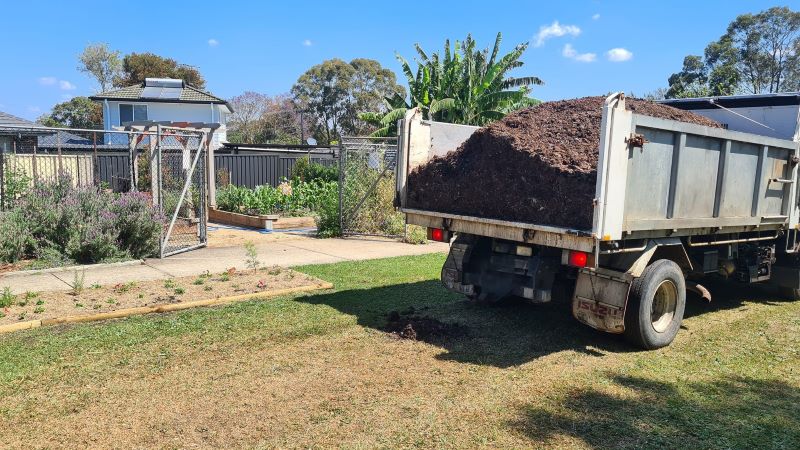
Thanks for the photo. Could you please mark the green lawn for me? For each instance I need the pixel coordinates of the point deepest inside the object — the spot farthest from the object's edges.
(318, 371)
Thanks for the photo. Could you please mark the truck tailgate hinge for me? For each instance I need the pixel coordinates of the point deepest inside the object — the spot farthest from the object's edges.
(636, 140)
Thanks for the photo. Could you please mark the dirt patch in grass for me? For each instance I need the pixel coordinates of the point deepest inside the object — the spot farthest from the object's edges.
(96, 299)
(535, 165)
(410, 325)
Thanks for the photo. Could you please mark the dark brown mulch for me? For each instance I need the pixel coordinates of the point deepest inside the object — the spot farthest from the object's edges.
(408, 325)
(537, 165)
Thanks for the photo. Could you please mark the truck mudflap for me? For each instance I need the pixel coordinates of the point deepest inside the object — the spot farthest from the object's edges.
(600, 299)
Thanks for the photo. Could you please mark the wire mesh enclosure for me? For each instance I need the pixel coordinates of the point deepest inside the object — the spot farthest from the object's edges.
(367, 187)
(168, 164)
(180, 162)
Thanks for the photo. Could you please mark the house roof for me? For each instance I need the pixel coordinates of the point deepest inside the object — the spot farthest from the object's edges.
(8, 119)
(188, 93)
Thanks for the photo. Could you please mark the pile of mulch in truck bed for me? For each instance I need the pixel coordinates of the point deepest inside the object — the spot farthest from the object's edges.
(536, 165)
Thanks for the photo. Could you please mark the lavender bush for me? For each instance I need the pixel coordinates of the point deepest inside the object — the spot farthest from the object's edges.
(81, 224)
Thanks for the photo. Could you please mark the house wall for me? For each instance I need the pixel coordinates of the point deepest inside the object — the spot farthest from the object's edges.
(176, 112)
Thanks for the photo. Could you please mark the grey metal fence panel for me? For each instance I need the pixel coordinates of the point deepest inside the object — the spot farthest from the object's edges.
(114, 169)
(259, 170)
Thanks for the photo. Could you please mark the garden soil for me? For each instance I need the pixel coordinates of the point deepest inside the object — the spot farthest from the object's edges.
(536, 165)
(100, 299)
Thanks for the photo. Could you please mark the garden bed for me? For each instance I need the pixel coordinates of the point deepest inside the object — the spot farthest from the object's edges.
(33, 309)
(263, 222)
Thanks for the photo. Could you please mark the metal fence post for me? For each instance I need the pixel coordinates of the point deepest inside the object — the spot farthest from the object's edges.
(33, 163)
(95, 164)
(342, 156)
(2, 180)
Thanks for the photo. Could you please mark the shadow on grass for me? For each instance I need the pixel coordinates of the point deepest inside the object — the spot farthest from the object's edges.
(505, 335)
(632, 412)
(509, 334)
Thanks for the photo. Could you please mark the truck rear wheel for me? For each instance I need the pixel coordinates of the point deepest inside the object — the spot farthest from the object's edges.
(656, 304)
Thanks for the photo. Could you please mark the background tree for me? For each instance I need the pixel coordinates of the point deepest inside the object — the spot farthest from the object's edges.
(243, 122)
(461, 85)
(335, 92)
(101, 63)
(759, 53)
(80, 112)
(138, 66)
(260, 119)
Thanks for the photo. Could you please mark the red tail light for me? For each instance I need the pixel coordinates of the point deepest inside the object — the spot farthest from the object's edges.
(578, 259)
(436, 234)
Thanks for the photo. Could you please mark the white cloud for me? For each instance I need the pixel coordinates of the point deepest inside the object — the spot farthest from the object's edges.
(213, 42)
(554, 30)
(618, 54)
(307, 43)
(570, 52)
(66, 85)
(596, 16)
(47, 81)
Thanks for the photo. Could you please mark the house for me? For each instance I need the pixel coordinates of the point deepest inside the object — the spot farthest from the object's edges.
(18, 135)
(164, 100)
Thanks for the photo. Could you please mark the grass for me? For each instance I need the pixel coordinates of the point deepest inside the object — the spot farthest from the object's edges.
(316, 371)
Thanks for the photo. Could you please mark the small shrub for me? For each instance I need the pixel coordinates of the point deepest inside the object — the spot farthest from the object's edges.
(6, 298)
(77, 282)
(30, 295)
(39, 302)
(169, 284)
(38, 310)
(415, 234)
(251, 256)
(180, 290)
(208, 288)
(15, 237)
(198, 281)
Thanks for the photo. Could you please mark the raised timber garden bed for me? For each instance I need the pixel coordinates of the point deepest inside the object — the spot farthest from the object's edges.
(264, 222)
(91, 303)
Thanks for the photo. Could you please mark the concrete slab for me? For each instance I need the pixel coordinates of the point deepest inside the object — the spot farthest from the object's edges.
(299, 250)
(33, 282)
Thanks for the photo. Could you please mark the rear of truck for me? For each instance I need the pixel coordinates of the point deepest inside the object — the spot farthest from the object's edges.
(674, 201)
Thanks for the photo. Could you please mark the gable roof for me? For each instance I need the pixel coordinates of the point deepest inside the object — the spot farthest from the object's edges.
(188, 94)
(8, 119)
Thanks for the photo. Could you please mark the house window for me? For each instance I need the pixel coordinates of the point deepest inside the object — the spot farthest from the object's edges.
(132, 113)
(6, 144)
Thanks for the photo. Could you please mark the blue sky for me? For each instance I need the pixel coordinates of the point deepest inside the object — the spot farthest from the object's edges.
(264, 46)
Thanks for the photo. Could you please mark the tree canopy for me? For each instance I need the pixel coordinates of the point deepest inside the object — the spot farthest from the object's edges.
(461, 85)
(138, 66)
(759, 53)
(335, 92)
(79, 112)
(102, 63)
(261, 119)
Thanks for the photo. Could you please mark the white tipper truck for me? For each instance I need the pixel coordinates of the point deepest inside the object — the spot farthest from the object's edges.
(674, 202)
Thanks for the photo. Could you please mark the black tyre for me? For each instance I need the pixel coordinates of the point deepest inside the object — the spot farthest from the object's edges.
(656, 304)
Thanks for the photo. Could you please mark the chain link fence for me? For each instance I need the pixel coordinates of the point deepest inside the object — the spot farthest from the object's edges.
(119, 161)
(367, 187)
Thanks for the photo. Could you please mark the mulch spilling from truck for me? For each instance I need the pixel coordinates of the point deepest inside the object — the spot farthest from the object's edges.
(537, 165)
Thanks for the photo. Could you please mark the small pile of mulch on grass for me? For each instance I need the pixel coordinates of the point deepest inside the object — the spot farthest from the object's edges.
(408, 325)
(537, 165)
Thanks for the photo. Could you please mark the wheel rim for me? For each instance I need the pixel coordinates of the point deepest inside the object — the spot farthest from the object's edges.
(662, 309)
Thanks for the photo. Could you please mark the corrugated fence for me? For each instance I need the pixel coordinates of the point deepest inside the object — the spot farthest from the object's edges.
(259, 170)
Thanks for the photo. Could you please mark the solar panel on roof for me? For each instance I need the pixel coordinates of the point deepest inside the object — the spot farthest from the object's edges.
(151, 92)
(171, 93)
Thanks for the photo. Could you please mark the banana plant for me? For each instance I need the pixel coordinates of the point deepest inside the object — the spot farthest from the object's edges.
(462, 85)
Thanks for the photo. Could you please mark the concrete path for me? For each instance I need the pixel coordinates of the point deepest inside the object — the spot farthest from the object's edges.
(292, 252)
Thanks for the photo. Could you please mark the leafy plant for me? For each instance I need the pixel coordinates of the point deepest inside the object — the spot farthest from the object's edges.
(461, 85)
(180, 290)
(6, 298)
(38, 310)
(251, 256)
(77, 282)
